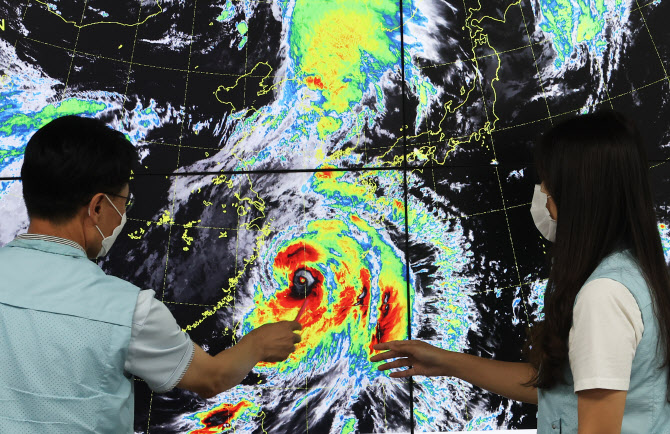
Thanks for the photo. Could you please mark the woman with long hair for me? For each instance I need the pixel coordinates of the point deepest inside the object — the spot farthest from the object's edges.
(599, 360)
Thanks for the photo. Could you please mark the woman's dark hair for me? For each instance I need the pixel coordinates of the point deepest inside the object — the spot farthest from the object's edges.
(68, 161)
(596, 170)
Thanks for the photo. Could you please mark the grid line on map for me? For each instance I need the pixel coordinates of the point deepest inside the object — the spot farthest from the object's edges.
(125, 97)
(472, 43)
(209, 306)
(502, 198)
(25, 10)
(653, 43)
(650, 3)
(23, 17)
(174, 195)
(607, 89)
(81, 25)
(660, 163)
(653, 163)
(495, 158)
(246, 67)
(151, 402)
(113, 59)
(489, 291)
(549, 118)
(498, 129)
(530, 45)
(482, 57)
(509, 229)
(225, 74)
(537, 68)
(181, 131)
(462, 216)
(600, 69)
(130, 66)
(74, 50)
(610, 98)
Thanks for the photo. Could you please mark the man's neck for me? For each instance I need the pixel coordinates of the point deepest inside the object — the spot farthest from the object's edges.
(69, 230)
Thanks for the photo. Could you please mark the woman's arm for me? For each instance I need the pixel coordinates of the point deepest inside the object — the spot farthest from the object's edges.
(503, 378)
(600, 411)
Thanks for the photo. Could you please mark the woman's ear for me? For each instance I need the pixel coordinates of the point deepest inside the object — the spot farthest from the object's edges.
(543, 189)
(551, 207)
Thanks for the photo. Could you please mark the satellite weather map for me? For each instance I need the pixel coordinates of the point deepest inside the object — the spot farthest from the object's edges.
(370, 159)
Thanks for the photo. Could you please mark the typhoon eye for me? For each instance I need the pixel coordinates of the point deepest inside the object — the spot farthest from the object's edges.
(303, 283)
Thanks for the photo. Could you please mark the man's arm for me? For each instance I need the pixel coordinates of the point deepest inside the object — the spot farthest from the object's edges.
(210, 375)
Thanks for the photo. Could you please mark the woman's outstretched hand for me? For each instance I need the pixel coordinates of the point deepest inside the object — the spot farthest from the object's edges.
(420, 357)
(509, 379)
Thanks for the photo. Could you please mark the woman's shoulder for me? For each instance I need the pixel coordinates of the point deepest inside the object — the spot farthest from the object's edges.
(619, 274)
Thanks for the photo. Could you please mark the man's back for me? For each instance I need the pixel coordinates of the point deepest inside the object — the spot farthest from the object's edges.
(65, 328)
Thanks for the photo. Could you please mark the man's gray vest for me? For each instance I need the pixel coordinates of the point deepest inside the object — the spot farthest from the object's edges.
(64, 333)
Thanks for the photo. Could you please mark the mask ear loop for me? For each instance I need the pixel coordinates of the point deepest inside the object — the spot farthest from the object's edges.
(114, 206)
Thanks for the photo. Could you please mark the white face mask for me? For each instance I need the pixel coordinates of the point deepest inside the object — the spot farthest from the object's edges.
(108, 241)
(538, 209)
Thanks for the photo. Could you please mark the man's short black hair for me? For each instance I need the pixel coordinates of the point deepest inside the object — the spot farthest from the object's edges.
(68, 161)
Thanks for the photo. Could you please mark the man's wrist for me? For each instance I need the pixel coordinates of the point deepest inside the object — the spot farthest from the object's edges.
(250, 345)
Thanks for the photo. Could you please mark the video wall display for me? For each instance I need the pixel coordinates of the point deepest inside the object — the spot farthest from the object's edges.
(370, 158)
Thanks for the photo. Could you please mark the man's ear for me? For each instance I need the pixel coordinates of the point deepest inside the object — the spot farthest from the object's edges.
(95, 206)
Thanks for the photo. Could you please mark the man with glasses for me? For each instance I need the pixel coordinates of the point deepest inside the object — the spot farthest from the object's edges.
(72, 337)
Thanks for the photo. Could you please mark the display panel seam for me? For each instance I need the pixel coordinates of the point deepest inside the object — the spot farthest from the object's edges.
(406, 206)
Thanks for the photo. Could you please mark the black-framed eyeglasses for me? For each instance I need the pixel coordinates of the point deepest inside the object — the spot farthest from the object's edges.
(130, 199)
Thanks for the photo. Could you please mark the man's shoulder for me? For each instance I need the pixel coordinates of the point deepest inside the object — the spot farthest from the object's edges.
(62, 284)
(118, 282)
